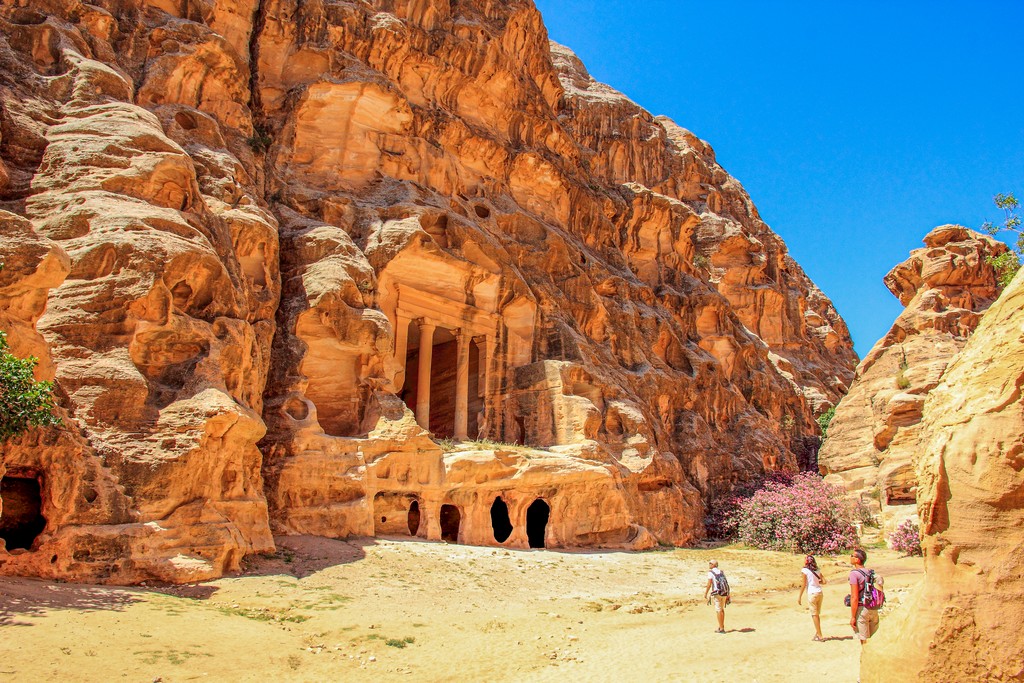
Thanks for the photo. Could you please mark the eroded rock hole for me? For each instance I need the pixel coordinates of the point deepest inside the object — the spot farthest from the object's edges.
(537, 522)
(450, 520)
(500, 523)
(482, 211)
(185, 121)
(296, 409)
(21, 519)
(414, 517)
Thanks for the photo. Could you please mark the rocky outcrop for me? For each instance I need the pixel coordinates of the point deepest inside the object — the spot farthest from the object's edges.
(875, 438)
(306, 242)
(962, 623)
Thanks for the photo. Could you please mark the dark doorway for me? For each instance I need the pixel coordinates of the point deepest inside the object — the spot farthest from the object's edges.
(21, 519)
(500, 522)
(537, 522)
(450, 519)
(414, 517)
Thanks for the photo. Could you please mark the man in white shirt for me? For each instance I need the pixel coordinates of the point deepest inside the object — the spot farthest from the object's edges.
(718, 594)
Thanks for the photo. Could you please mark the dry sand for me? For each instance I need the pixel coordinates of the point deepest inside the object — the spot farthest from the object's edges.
(383, 610)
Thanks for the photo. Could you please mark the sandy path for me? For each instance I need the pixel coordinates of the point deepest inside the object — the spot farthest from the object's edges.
(384, 610)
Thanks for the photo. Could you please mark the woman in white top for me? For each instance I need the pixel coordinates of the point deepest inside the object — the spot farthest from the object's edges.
(812, 581)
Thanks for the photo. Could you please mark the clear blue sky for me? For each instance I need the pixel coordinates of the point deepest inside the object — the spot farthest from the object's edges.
(856, 127)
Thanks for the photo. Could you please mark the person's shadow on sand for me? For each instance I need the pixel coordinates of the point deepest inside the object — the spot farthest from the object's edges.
(828, 638)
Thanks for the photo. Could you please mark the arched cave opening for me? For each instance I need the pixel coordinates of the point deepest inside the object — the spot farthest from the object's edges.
(414, 517)
(21, 519)
(395, 514)
(500, 522)
(450, 520)
(537, 522)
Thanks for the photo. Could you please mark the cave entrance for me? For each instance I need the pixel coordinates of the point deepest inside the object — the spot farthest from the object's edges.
(500, 522)
(395, 514)
(450, 520)
(537, 522)
(21, 519)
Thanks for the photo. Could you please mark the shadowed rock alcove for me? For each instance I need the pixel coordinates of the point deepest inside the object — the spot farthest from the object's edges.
(450, 520)
(21, 519)
(500, 522)
(537, 522)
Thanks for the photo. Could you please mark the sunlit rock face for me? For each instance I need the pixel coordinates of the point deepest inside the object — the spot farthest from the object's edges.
(391, 267)
(875, 438)
(963, 623)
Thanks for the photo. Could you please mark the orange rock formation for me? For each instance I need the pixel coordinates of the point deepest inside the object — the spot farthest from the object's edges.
(268, 249)
(962, 625)
(875, 438)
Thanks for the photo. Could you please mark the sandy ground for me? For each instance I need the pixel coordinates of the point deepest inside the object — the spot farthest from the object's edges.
(383, 610)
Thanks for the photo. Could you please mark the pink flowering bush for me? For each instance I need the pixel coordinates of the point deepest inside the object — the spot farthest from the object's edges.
(907, 538)
(804, 514)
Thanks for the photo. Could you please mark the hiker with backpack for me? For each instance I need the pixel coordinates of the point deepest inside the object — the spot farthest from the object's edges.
(813, 580)
(865, 598)
(718, 589)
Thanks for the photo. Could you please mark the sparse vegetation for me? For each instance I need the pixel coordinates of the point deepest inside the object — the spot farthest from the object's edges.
(701, 262)
(260, 140)
(448, 445)
(1007, 264)
(824, 420)
(400, 643)
(901, 378)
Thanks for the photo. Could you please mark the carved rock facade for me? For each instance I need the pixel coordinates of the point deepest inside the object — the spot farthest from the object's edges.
(287, 242)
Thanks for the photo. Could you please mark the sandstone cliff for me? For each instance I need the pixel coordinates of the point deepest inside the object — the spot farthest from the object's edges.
(875, 438)
(962, 624)
(288, 242)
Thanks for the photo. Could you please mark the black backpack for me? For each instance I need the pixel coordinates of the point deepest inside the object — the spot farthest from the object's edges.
(720, 584)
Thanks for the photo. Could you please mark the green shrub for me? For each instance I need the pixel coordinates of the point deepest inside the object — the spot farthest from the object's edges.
(24, 402)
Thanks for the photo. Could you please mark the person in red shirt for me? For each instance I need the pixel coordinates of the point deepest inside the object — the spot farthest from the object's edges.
(864, 621)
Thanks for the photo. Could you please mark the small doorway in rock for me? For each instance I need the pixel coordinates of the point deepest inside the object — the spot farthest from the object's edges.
(414, 517)
(21, 518)
(537, 522)
(450, 520)
(500, 523)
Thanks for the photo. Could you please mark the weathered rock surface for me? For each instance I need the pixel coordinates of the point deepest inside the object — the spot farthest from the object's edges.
(874, 439)
(301, 238)
(963, 624)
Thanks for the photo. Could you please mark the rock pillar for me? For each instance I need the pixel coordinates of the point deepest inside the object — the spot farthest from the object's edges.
(401, 349)
(487, 346)
(423, 383)
(462, 386)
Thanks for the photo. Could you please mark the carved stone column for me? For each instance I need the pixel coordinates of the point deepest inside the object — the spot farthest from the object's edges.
(488, 349)
(401, 348)
(462, 386)
(423, 381)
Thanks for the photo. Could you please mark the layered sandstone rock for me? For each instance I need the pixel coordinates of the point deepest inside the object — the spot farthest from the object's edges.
(962, 624)
(875, 437)
(304, 238)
